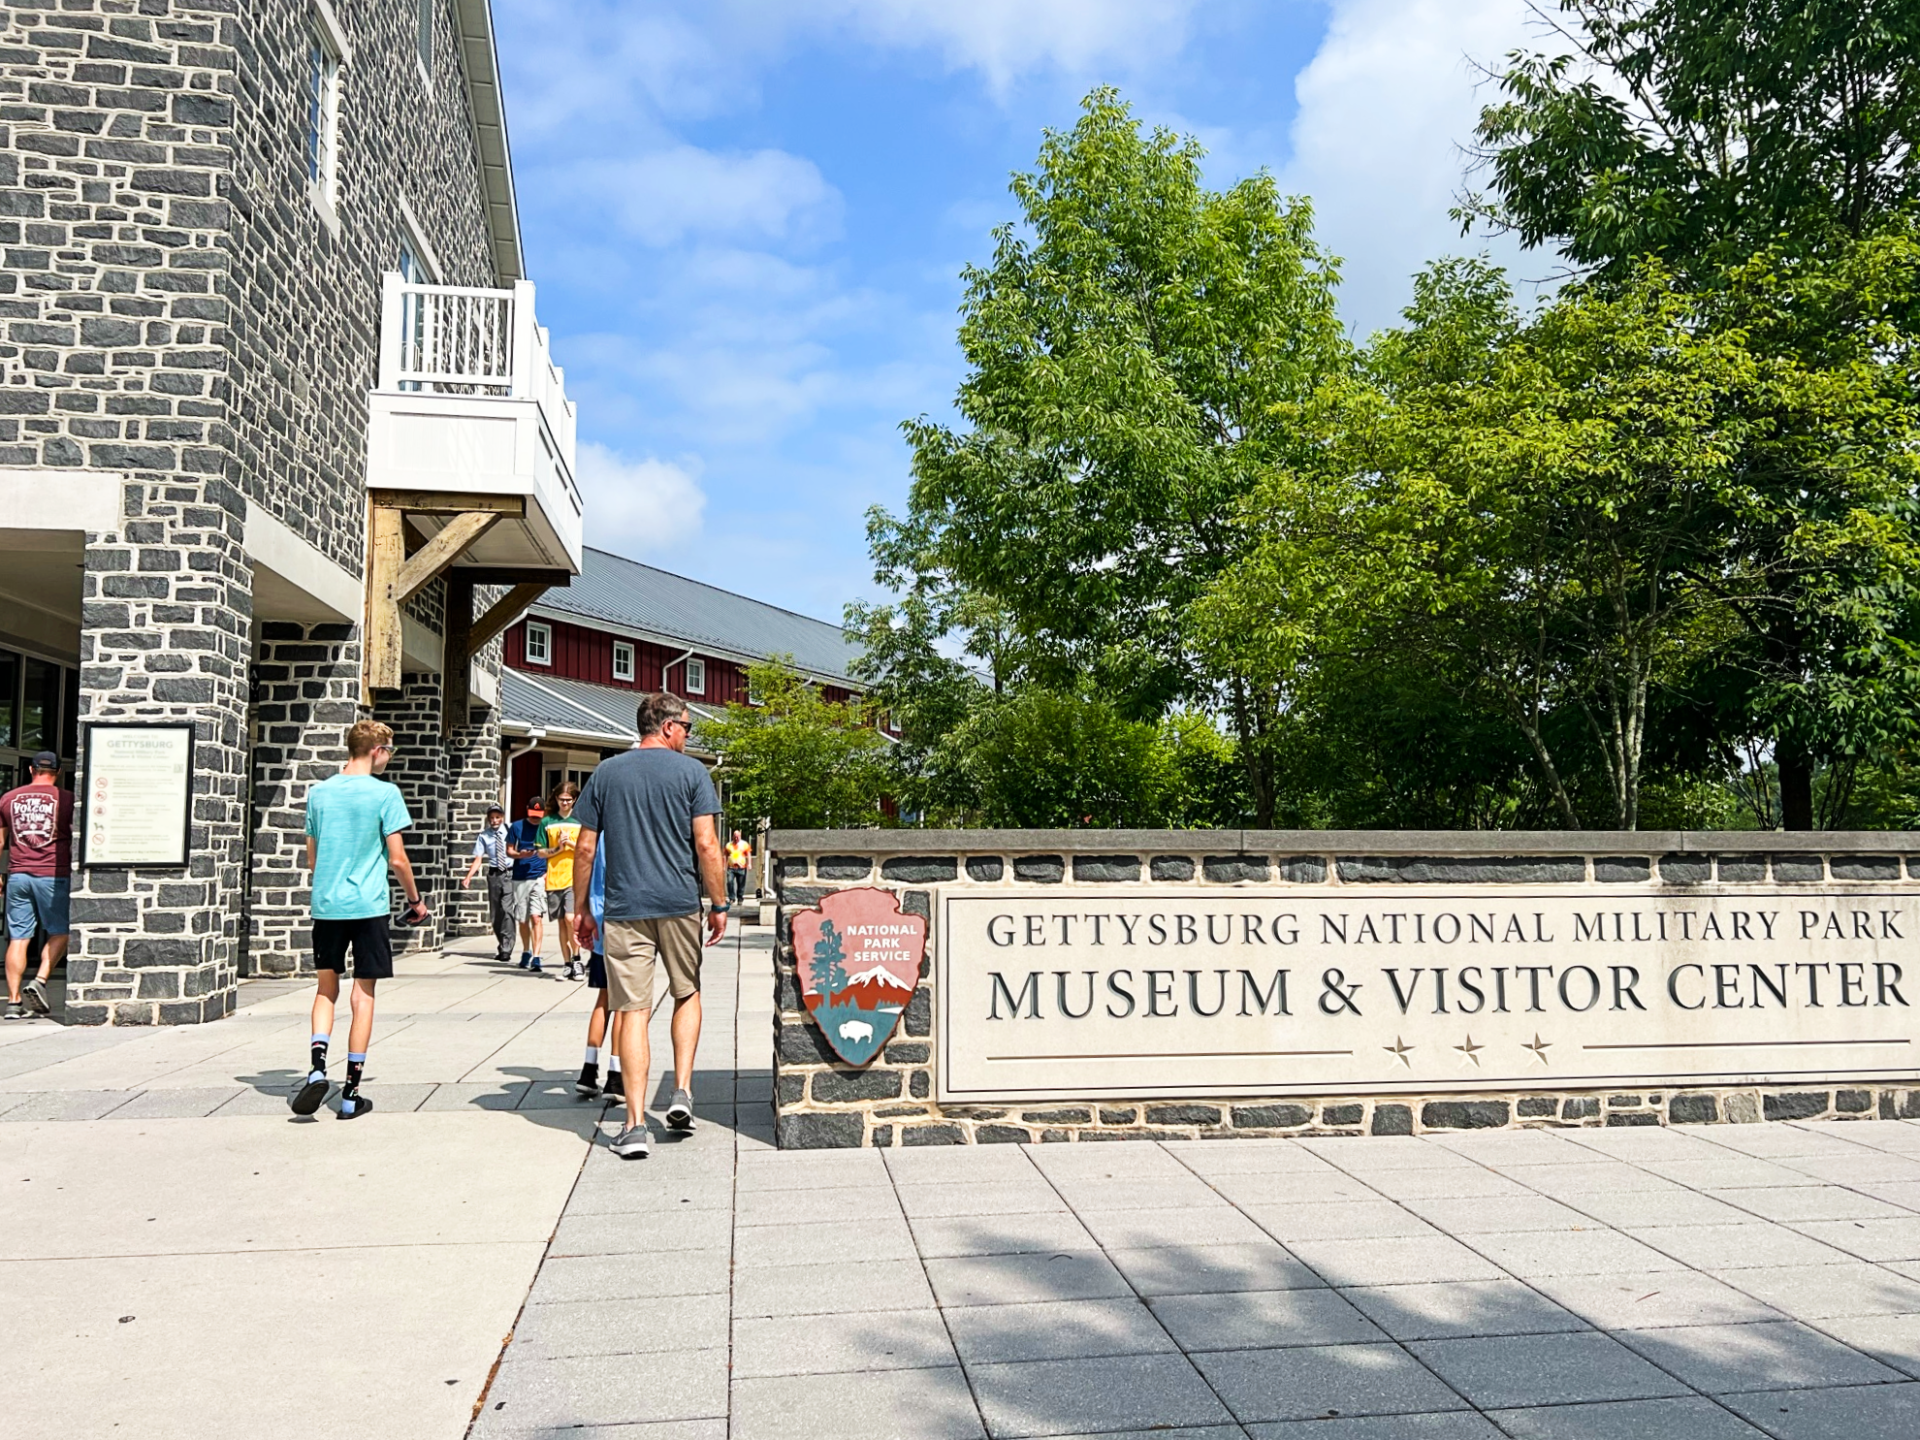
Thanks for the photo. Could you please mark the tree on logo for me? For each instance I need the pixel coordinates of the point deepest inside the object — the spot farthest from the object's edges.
(829, 963)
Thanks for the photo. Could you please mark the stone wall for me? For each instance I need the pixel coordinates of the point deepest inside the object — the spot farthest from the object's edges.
(166, 604)
(821, 1102)
(306, 692)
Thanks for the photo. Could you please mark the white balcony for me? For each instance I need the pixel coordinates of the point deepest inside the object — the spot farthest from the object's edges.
(470, 404)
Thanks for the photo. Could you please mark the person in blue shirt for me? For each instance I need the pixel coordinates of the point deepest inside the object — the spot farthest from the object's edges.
(588, 1085)
(529, 903)
(354, 820)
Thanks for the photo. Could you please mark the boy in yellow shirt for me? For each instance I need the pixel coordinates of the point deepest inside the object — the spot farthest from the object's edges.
(558, 832)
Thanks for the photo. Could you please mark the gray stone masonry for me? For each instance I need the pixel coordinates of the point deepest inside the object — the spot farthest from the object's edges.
(176, 310)
(419, 767)
(165, 605)
(306, 692)
(822, 1103)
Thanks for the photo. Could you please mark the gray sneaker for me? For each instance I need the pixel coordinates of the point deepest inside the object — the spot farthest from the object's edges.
(680, 1112)
(34, 992)
(633, 1143)
(16, 1011)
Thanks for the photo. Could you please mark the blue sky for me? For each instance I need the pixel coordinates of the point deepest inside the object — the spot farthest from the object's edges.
(747, 220)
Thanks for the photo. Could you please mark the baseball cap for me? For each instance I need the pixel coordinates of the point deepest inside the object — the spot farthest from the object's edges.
(46, 760)
(536, 803)
(495, 810)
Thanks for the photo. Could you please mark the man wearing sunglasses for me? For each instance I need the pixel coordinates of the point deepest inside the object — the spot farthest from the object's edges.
(653, 809)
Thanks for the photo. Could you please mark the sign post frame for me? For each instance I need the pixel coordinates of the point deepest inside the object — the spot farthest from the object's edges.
(176, 858)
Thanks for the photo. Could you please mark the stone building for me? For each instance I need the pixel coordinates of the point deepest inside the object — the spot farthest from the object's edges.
(281, 442)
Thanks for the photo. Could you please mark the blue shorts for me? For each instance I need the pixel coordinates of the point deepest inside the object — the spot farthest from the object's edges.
(596, 972)
(36, 901)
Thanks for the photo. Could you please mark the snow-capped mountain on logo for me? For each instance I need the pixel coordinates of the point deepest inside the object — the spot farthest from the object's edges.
(857, 959)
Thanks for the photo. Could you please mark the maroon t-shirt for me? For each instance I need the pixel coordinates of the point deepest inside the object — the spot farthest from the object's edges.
(39, 818)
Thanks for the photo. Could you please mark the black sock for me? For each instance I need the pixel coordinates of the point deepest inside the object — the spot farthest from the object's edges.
(320, 1053)
(355, 1064)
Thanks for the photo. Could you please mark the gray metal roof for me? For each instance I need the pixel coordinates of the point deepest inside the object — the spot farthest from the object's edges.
(565, 707)
(614, 592)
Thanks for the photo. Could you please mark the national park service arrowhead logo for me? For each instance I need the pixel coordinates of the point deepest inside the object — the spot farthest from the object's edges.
(859, 964)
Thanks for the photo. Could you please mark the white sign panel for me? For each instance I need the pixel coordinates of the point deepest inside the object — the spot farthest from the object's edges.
(1342, 990)
(138, 793)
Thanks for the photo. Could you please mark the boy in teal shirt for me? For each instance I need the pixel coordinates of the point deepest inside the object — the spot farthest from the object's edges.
(354, 822)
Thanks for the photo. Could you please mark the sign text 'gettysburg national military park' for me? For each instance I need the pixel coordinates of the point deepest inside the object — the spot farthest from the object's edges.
(1168, 993)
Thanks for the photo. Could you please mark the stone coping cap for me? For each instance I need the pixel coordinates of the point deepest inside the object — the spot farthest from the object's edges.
(1339, 842)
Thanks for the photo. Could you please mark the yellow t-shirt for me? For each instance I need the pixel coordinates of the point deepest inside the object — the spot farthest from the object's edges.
(737, 853)
(555, 832)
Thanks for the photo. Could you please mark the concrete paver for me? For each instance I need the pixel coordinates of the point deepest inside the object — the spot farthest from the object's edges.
(1729, 1281)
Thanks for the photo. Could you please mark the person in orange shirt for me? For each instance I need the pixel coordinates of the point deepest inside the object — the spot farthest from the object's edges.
(739, 861)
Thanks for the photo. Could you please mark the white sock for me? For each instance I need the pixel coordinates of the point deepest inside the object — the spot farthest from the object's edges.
(593, 1054)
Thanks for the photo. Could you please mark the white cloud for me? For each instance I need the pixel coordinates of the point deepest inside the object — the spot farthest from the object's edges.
(663, 196)
(1386, 106)
(639, 507)
(1006, 39)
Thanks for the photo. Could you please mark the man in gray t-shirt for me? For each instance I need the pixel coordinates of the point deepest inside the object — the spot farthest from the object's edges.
(653, 809)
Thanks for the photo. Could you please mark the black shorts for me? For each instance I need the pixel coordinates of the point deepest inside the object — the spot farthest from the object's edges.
(596, 972)
(372, 948)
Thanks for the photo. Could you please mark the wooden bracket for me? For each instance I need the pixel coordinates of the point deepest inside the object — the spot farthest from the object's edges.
(441, 551)
(386, 554)
(393, 578)
(437, 502)
(456, 664)
(502, 613)
(467, 635)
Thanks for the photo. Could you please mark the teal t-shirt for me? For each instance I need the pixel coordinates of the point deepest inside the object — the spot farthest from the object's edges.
(350, 817)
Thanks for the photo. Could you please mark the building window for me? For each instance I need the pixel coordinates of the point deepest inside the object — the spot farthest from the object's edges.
(326, 55)
(539, 643)
(622, 661)
(426, 36)
(696, 677)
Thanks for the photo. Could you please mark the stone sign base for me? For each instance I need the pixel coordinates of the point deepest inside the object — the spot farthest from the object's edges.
(822, 1102)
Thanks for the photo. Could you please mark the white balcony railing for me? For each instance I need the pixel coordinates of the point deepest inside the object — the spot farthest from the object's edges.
(469, 399)
(459, 340)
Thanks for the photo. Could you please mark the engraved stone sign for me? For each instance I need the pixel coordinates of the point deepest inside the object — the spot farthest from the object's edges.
(1168, 991)
(858, 963)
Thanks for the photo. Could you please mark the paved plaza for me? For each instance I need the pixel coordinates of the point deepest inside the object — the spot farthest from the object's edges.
(183, 1258)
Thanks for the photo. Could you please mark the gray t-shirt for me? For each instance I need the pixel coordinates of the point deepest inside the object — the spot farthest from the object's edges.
(642, 803)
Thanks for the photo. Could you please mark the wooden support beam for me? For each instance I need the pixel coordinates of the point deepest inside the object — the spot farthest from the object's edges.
(513, 575)
(446, 502)
(441, 551)
(502, 613)
(386, 553)
(456, 697)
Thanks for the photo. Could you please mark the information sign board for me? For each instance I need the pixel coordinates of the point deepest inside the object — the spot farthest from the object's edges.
(138, 797)
(1163, 991)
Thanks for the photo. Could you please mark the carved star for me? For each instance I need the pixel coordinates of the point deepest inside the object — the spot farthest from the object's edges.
(1399, 1049)
(1538, 1047)
(1469, 1050)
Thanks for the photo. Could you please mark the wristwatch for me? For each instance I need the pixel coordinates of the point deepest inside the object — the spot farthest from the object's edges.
(719, 909)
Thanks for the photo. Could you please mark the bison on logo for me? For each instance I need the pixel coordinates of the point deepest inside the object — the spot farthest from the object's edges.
(859, 964)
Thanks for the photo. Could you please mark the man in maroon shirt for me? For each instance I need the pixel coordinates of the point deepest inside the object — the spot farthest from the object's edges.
(36, 826)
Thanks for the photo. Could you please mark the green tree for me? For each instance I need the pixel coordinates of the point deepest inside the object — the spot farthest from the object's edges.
(1522, 513)
(796, 758)
(829, 963)
(1133, 348)
(1051, 760)
(1708, 133)
(1705, 131)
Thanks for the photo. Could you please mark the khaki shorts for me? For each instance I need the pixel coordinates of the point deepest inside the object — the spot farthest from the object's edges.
(632, 946)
